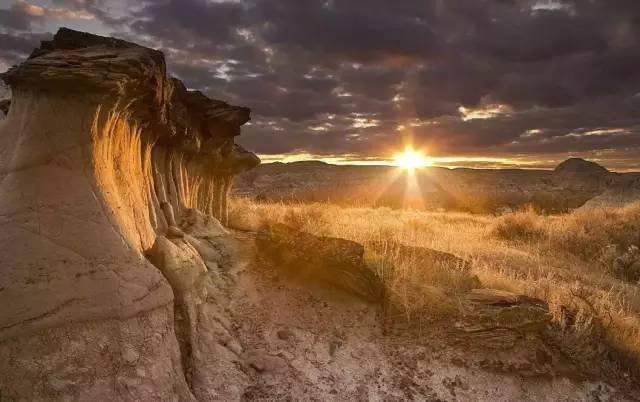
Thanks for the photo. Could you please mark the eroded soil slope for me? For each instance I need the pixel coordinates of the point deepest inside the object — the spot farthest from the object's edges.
(298, 340)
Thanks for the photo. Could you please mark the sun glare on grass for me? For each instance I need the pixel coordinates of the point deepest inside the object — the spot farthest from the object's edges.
(411, 159)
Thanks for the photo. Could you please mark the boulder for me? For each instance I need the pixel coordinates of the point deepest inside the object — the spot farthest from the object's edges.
(329, 260)
(496, 310)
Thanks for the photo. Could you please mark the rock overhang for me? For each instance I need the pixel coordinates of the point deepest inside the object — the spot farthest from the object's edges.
(119, 74)
(106, 155)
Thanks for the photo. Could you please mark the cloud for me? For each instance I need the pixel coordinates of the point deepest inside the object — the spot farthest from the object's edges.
(557, 69)
(22, 14)
(18, 16)
(341, 76)
(15, 47)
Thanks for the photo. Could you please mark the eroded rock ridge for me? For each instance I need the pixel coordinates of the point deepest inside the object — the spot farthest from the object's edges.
(113, 180)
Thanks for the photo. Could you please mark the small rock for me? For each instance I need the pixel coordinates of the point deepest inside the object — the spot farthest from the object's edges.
(499, 311)
(264, 363)
(234, 346)
(129, 354)
(285, 334)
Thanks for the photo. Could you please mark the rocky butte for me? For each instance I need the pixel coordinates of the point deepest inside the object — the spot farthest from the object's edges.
(102, 157)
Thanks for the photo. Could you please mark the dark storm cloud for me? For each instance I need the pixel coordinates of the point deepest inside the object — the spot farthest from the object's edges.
(16, 46)
(20, 44)
(359, 76)
(98, 9)
(19, 16)
(358, 31)
(538, 35)
(190, 23)
(412, 60)
(609, 122)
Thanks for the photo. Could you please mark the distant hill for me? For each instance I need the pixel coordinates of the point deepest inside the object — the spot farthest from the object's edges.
(570, 185)
(623, 192)
(580, 166)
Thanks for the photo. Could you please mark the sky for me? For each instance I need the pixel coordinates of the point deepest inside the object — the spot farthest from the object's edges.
(481, 83)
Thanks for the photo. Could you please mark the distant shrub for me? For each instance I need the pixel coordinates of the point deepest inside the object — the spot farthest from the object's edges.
(591, 234)
(519, 226)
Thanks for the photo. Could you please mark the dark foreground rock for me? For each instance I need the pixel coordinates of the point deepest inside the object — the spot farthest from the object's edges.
(496, 310)
(338, 262)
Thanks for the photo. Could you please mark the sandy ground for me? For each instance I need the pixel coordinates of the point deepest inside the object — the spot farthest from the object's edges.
(305, 342)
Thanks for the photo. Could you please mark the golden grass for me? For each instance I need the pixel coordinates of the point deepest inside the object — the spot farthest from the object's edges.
(566, 260)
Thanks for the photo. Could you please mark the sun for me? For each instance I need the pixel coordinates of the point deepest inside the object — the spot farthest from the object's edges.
(411, 159)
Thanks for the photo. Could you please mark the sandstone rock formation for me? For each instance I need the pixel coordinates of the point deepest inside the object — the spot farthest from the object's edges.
(104, 158)
(338, 262)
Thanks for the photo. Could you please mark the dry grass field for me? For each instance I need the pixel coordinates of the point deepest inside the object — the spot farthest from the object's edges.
(585, 264)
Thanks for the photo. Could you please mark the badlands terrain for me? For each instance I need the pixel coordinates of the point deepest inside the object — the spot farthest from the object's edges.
(570, 185)
(128, 273)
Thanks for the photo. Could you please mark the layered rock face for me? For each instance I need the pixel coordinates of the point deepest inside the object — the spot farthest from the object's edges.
(104, 159)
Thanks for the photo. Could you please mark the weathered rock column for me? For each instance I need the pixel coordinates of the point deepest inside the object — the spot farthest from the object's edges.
(101, 154)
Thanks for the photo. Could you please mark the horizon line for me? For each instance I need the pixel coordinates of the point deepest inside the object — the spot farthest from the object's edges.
(478, 163)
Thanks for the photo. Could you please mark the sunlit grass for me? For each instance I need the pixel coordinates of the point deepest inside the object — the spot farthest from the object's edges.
(568, 260)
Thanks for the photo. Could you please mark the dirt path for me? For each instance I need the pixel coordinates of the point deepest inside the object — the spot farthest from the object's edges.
(300, 341)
